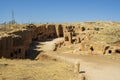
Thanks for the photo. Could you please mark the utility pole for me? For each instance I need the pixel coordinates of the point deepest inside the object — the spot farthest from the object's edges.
(13, 19)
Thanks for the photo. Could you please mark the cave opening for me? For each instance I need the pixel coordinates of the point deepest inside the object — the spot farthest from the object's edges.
(109, 51)
(117, 51)
(91, 48)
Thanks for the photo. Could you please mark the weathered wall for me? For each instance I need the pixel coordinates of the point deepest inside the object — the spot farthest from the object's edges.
(16, 43)
(59, 30)
(78, 34)
(6, 43)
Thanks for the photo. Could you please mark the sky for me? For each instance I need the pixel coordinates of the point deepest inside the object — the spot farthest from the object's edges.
(59, 11)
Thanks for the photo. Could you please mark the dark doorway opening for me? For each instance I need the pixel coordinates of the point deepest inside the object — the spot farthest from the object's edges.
(109, 51)
(91, 48)
(117, 51)
(11, 55)
(60, 30)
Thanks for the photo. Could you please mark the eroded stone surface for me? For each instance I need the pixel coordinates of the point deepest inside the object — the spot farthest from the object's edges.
(14, 43)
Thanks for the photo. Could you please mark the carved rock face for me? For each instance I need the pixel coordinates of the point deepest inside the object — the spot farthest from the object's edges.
(17, 43)
(70, 28)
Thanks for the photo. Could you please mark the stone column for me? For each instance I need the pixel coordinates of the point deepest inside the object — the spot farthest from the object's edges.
(70, 37)
(77, 67)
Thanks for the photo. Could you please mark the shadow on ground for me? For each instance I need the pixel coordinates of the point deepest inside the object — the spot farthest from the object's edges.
(82, 72)
(33, 51)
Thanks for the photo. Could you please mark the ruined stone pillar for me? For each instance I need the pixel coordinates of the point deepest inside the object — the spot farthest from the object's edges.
(70, 37)
(77, 67)
(78, 39)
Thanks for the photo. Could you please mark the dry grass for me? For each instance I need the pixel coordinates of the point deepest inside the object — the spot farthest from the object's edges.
(114, 57)
(109, 34)
(42, 69)
(9, 27)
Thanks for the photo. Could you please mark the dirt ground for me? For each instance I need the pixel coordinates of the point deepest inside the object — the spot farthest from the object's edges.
(94, 67)
(45, 68)
(45, 64)
(38, 66)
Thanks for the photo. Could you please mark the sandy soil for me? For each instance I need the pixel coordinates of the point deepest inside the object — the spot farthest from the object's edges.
(44, 67)
(95, 67)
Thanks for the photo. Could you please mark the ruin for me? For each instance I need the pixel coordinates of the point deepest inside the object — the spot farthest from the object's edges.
(15, 43)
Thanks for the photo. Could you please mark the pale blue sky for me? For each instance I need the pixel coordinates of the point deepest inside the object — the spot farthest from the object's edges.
(60, 10)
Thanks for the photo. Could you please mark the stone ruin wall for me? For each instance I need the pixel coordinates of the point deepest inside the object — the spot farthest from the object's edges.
(14, 44)
(81, 35)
